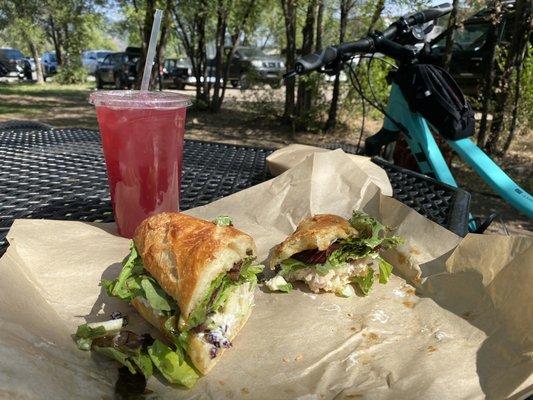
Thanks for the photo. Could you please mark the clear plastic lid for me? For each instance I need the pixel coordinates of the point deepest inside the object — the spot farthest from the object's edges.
(138, 99)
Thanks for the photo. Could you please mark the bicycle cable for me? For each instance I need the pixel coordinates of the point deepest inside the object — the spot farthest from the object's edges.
(359, 90)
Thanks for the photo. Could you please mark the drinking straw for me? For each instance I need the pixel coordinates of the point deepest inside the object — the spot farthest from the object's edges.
(151, 51)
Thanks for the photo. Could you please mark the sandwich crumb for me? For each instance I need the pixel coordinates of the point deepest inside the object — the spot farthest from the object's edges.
(414, 250)
(431, 349)
(299, 357)
(408, 304)
(245, 391)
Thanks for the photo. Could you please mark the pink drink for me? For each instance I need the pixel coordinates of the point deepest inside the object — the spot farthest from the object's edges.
(142, 138)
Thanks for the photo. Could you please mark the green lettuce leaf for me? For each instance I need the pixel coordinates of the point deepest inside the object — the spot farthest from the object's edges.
(171, 365)
(365, 282)
(86, 332)
(84, 343)
(372, 232)
(116, 355)
(287, 288)
(126, 287)
(223, 220)
(157, 298)
(385, 270)
(290, 265)
(222, 287)
(249, 271)
(143, 363)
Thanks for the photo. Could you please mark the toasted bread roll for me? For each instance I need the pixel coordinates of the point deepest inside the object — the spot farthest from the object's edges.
(316, 232)
(185, 254)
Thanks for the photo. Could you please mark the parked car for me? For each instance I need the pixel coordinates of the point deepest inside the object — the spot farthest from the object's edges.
(13, 64)
(31, 61)
(118, 69)
(471, 50)
(250, 64)
(175, 73)
(49, 63)
(91, 58)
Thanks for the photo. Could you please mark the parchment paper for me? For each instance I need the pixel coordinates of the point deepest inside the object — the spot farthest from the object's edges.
(460, 329)
(289, 156)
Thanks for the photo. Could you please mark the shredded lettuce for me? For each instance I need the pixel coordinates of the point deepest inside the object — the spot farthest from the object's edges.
(223, 220)
(385, 270)
(171, 365)
(365, 282)
(220, 288)
(290, 265)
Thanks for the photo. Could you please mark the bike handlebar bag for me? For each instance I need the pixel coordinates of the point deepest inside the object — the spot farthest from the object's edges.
(432, 92)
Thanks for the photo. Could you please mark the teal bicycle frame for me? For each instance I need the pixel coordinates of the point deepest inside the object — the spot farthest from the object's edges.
(432, 163)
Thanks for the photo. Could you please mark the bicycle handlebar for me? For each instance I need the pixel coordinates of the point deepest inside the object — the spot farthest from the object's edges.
(314, 61)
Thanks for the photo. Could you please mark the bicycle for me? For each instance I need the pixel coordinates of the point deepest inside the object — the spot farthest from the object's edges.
(397, 42)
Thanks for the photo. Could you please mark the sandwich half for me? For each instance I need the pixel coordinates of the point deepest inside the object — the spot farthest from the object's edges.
(332, 254)
(192, 279)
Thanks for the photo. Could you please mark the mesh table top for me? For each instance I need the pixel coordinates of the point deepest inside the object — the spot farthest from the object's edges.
(60, 174)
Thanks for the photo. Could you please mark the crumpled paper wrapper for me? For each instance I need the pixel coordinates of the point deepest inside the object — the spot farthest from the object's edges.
(454, 322)
(289, 156)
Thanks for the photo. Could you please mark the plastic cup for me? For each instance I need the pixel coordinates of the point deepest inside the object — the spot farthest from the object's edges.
(142, 138)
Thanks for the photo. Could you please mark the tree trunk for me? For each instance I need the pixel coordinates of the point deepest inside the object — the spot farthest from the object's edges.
(289, 14)
(160, 49)
(380, 6)
(491, 42)
(319, 25)
(517, 94)
(305, 86)
(145, 32)
(521, 29)
(220, 36)
(452, 26)
(55, 34)
(346, 5)
(38, 67)
(235, 40)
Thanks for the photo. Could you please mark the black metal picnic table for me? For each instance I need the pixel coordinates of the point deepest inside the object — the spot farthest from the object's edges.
(60, 174)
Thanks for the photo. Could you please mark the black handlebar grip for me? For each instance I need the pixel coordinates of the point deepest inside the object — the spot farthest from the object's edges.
(430, 14)
(312, 62)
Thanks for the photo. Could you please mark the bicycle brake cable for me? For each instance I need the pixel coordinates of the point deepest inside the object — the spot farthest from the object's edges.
(359, 90)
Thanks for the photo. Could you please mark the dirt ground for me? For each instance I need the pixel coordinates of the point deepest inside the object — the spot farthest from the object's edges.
(252, 118)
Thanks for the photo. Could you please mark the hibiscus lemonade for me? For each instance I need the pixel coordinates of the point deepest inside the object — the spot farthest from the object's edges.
(142, 138)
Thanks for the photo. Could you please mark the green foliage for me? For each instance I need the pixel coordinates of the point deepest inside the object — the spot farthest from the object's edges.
(71, 75)
(525, 108)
